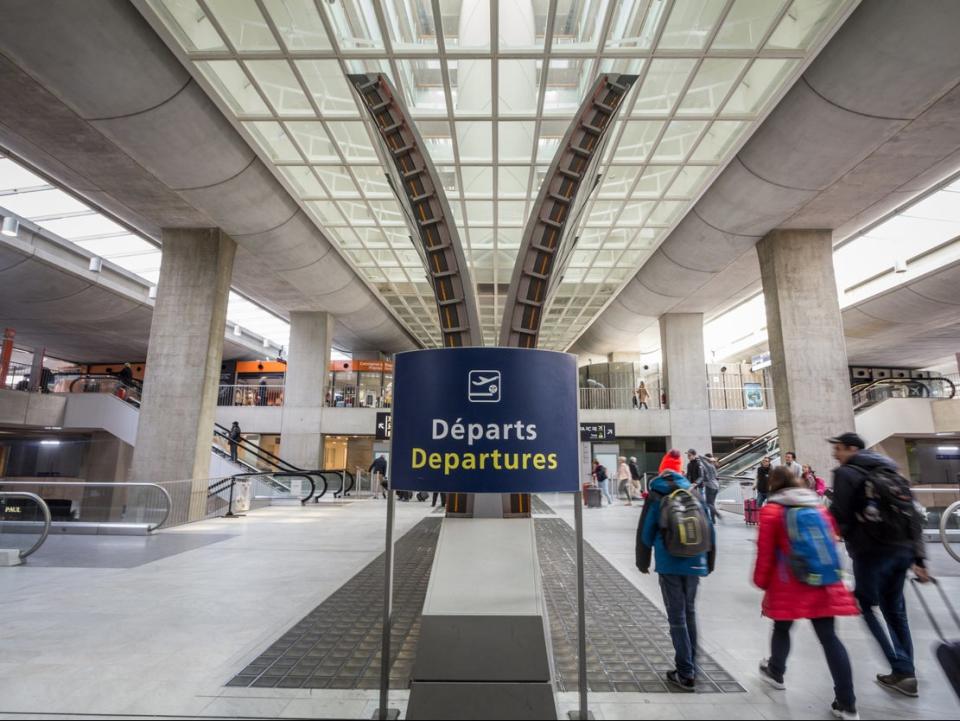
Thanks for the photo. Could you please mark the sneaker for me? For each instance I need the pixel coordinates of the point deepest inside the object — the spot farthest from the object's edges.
(900, 682)
(842, 712)
(770, 677)
(677, 681)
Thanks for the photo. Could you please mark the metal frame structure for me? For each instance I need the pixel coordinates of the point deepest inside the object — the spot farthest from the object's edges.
(430, 213)
(547, 240)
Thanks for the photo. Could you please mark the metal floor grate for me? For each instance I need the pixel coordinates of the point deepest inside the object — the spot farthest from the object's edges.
(337, 645)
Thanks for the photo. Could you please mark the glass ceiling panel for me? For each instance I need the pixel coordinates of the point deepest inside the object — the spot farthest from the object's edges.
(492, 120)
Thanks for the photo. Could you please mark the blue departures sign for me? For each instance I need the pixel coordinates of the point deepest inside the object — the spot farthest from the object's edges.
(485, 420)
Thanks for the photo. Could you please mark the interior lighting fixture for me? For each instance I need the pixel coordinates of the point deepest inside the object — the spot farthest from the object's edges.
(948, 449)
(237, 331)
(96, 264)
(266, 343)
(900, 266)
(10, 227)
(49, 443)
(152, 293)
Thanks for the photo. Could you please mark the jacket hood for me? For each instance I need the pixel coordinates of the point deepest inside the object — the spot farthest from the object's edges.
(661, 484)
(795, 497)
(870, 460)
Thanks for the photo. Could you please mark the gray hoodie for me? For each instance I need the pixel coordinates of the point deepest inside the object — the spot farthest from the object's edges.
(795, 497)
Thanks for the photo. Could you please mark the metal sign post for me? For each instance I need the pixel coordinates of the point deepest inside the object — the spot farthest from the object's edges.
(383, 712)
(582, 712)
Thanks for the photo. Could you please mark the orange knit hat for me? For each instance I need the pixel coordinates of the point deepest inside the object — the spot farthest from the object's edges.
(671, 461)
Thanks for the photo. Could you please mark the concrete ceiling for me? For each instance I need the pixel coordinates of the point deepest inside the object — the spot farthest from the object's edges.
(104, 108)
(873, 122)
(52, 301)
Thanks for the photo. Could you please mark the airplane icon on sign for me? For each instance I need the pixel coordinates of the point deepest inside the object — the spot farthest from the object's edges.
(484, 386)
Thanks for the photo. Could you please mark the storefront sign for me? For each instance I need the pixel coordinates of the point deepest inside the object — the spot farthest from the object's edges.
(485, 420)
(384, 426)
(598, 431)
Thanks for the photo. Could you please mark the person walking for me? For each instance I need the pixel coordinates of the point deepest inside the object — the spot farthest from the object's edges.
(378, 471)
(883, 532)
(602, 480)
(711, 484)
(262, 392)
(790, 462)
(643, 396)
(798, 567)
(623, 479)
(814, 482)
(694, 468)
(636, 480)
(763, 478)
(443, 499)
(234, 436)
(682, 559)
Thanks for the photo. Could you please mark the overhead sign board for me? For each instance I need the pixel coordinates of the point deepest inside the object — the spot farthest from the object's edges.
(598, 431)
(384, 426)
(761, 361)
(485, 420)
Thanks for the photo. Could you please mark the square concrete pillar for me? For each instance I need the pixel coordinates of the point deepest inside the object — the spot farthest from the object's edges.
(684, 377)
(175, 430)
(810, 376)
(301, 439)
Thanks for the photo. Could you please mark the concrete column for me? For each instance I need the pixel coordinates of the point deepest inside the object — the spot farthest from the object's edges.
(301, 440)
(810, 377)
(684, 376)
(183, 360)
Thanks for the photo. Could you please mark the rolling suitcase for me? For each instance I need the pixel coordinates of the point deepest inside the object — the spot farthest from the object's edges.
(592, 497)
(947, 652)
(751, 514)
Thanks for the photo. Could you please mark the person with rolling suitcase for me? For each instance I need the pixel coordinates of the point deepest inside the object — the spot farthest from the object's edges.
(602, 480)
(751, 512)
(947, 652)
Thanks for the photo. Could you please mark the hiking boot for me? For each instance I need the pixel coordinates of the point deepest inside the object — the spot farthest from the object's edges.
(775, 680)
(900, 682)
(844, 712)
(677, 681)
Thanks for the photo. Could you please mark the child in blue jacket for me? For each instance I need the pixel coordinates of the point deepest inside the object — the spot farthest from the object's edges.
(679, 577)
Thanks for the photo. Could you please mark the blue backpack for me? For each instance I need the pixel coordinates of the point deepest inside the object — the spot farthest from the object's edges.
(814, 559)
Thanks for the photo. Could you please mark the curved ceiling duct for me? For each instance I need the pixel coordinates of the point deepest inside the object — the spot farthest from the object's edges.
(878, 109)
(428, 211)
(113, 115)
(547, 241)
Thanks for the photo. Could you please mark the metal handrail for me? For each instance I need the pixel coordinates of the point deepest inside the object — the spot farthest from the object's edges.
(47, 518)
(951, 509)
(117, 484)
(258, 450)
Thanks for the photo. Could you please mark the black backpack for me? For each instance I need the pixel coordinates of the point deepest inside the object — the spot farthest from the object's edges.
(683, 523)
(888, 513)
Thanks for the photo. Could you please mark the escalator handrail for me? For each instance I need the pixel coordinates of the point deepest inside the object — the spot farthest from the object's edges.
(746, 447)
(47, 518)
(308, 475)
(277, 460)
(922, 382)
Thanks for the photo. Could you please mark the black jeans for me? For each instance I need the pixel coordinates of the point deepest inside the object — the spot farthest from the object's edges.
(880, 581)
(443, 499)
(680, 599)
(233, 452)
(711, 494)
(833, 649)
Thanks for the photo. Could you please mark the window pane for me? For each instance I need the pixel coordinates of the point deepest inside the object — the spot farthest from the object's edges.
(281, 86)
(633, 27)
(517, 87)
(710, 86)
(678, 140)
(471, 86)
(762, 79)
(411, 24)
(355, 24)
(515, 141)
(477, 181)
(329, 88)
(512, 180)
(232, 84)
(475, 141)
(313, 141)
(717, 141)
(422, 82)
(523, 25)
(271, 137)
(337, 179)
(352, 139)
(690, 24)
(637, 140)
(299, 24)
(303, 180)
(747, 24)
(567, 83)
(436, 137)
(189, 23)
(654, 181)
(372, 180)
(578, 24)
(244, 25)
(802, 24)
(663, 85)
(690, 180)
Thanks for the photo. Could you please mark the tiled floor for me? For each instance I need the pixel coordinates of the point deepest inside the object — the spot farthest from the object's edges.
(167, 635)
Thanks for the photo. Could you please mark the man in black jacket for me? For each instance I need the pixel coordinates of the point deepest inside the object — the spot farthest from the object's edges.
(879, 566)
(694, 471)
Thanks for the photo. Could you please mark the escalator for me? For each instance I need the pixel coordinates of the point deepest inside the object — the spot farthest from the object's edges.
(740, 465)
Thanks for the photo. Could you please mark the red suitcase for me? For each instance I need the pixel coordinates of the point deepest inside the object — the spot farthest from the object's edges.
(751, 514)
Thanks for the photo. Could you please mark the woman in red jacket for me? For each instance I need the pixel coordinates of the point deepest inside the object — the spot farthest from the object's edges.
(788, 599)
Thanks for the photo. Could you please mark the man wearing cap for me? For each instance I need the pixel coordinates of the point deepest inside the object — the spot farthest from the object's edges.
(879, 566)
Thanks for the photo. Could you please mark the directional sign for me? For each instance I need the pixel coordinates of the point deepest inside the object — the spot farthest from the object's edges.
(598, 431)
(485, 420)
(384, 426)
